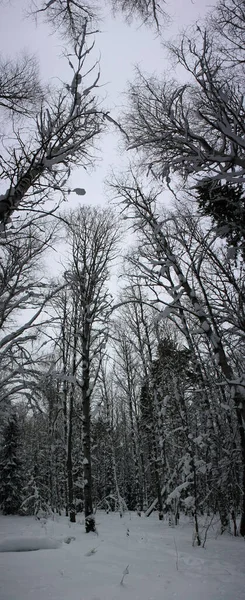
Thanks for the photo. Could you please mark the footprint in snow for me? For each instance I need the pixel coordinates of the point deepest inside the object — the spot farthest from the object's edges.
(90, 552)
(192, 561)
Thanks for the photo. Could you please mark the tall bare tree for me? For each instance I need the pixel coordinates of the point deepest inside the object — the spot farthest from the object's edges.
(92, 236)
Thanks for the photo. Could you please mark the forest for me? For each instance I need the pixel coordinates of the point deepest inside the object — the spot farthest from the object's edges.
(126, 396)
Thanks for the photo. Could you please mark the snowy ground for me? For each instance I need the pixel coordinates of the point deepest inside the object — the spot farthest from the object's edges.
(161, 561)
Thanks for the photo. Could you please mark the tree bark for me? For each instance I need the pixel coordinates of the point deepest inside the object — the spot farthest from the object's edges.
(15, 194)
(87, 472)
(71, 506)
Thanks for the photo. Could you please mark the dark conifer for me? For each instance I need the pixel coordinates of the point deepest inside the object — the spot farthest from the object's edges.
(11, 476)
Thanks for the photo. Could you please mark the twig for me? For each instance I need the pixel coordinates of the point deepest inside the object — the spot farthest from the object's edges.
(206, 531)
(177, 555)
(125, 572)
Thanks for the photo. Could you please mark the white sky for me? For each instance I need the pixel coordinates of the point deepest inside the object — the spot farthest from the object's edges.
(121, 47)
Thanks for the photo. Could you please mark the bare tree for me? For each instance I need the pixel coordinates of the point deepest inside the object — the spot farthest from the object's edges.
(68, 16)
(195, 128)
(20, 88)
(61, 131)
(62, 135)
(186, 130)
(109, 404)
(160, 260)
(66, 306)
(24, 295)
(149, 11)
(128, 377)
(92, 236)
(227, 23)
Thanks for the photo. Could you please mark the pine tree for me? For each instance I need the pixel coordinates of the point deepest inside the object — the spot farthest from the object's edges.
(11, 477)
(225, 204)
(35, 492)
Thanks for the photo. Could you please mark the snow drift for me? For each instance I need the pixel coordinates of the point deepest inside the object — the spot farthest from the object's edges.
(28, 544)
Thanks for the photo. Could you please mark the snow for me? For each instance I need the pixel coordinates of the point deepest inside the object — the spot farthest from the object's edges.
(131, 558)
(28, 544)
(166, 312)
(177, 491)
(189, 501)
(205, 326)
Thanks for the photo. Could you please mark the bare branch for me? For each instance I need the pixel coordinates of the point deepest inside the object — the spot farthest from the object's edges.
(20, 88)
(63, 135)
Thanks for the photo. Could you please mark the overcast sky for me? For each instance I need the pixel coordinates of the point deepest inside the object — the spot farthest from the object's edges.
(120, 46)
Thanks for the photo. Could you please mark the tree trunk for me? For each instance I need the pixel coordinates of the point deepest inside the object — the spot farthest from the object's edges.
(71, 505)
(158, 485)
(87, 472)
(65, 352)
(16, 193)
(135, 458)
(242, 439)
(65, 449)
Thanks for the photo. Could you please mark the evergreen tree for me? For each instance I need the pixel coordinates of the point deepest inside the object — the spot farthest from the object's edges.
(225, 204)
(11, 477)
(35, 492)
